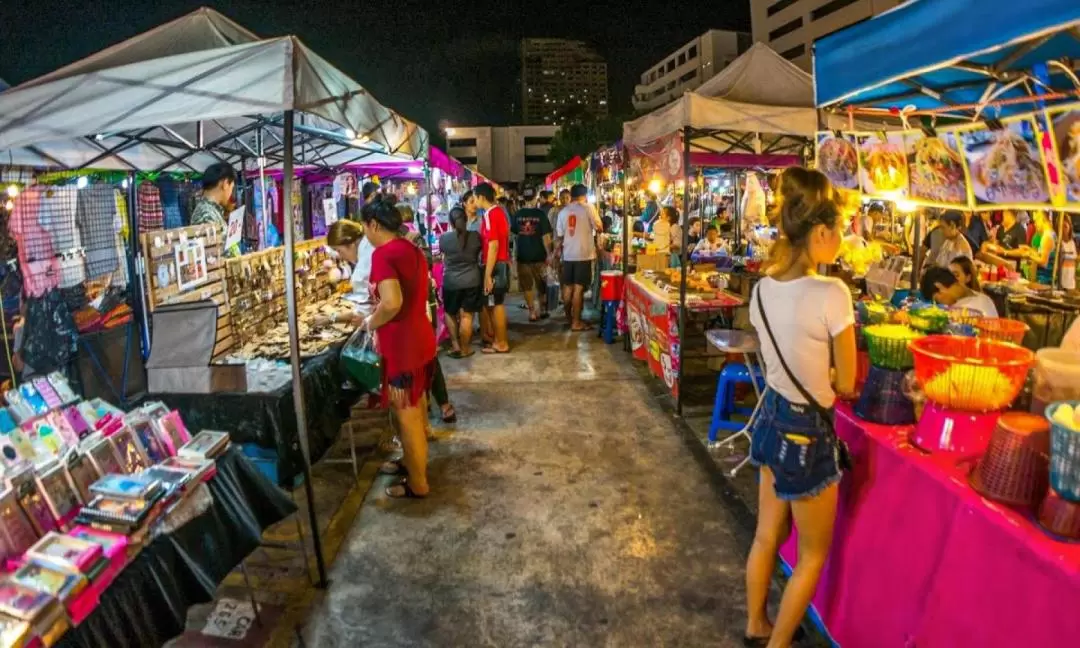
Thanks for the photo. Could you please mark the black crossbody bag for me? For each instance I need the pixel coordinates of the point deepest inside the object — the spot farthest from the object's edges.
(827, 415)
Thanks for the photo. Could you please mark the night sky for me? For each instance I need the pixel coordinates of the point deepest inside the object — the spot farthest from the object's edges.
(430, 61)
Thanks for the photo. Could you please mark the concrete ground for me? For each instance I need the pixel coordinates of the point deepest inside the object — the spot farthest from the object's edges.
(569, 509)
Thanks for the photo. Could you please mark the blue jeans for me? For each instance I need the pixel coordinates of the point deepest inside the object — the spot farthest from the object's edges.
(797, 445)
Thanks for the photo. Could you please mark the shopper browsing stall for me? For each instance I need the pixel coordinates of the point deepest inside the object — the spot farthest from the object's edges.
(347, 239)
(462, 282)
(495, 234)
(576, 231)
(941, 285)
(802, 319)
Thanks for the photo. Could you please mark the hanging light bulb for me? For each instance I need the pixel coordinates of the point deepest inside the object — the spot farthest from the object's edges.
(12, 191)
(655, 186)
(124, 183)
(9, 205)
(82, 182)
(411, 189)
(350, 133)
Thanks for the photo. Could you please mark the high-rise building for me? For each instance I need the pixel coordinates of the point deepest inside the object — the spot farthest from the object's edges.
(688, 67)
(790, 27)
(561, 80)
(506, 154)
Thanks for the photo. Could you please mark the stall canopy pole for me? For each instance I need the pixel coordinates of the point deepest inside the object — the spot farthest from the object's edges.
(684, 261)
(294, 345)
(1055, 280)
(917, 250)
(736, 209)
(137, 264)
(260, 216)
(429, 220)
(626, 227)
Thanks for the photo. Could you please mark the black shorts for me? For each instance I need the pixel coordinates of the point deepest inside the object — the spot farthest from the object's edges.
(462, 299)
(576, 273)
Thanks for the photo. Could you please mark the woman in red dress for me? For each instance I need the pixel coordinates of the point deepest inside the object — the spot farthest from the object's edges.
(405, 339)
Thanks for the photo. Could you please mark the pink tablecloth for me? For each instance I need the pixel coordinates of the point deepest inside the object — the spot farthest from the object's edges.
(919, 559)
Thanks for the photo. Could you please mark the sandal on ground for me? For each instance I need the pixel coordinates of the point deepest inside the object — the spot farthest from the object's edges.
(390, 445)
(406, 491)
(545, 315)
(458, 355)
(582, 328)
(451, 417)
(762, 642)
(491, 350)
(393, 467)
(534, 318)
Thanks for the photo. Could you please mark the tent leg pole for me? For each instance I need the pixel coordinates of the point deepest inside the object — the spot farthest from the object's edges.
(626, 227)
(294, 347)
(684, 260)
(137, 269)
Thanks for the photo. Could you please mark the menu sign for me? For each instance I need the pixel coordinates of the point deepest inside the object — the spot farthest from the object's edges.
(936, 168)
(1006, 166)
(883, 167)
(1065, 127)
(838, 159)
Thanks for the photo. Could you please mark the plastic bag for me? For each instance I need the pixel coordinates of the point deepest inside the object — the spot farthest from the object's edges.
(362, 363)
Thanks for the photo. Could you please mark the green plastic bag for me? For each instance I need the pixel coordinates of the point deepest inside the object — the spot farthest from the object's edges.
(362, 363)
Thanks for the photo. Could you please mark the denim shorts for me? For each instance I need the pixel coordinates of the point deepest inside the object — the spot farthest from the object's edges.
(797, 445)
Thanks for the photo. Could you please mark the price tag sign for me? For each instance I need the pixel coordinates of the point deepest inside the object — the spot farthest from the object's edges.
(236, 227)
(231, 619)
(330, 211)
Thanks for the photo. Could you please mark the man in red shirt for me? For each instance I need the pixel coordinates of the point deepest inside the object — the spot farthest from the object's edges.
(495, 259)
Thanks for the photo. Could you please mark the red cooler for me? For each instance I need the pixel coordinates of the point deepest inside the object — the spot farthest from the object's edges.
(611, 285)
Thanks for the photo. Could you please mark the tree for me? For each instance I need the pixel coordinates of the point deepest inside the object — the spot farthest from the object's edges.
(582, 137)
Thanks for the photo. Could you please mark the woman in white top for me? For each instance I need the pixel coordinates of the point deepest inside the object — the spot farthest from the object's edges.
(811, 319)
(973, 297)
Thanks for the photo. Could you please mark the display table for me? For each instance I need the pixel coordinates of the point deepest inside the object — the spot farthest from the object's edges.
(920, 559)
(269, 419)
(652, 317)
(147, 603)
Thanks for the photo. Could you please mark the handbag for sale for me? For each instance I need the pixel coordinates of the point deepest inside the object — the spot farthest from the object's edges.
(826, 414)
(362, 363)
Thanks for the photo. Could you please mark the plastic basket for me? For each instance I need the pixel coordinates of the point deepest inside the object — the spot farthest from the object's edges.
(1060, 517)
(1001, 329)
(870, 312)
(929, 319)
(965, 316)
(1064, 455)
(888, 345)
(971, 374)
(882, 399)
(1014, 469)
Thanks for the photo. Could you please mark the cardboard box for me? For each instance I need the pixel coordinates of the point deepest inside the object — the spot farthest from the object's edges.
(653, 261)
(184, 336)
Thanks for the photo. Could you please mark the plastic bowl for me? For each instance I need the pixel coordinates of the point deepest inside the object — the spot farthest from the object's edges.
(970, 374)
(871, 312)
(1064, 455)
(1001, 329)
(929, 319)
(888, 345)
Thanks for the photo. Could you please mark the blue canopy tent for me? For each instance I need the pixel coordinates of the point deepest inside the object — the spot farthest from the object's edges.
(952, 57)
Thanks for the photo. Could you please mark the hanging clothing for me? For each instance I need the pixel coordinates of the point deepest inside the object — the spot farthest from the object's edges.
(98, 216)
(151, 214)
(56, 214)
(37, 258)
(170, 203)
(50, 333)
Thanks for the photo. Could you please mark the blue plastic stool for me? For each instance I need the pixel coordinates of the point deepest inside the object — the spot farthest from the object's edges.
(608, 315)
(733, 373)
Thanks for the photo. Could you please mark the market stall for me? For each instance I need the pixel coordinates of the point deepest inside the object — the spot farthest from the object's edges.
(758, 112)
(190, 93)
(963, 439)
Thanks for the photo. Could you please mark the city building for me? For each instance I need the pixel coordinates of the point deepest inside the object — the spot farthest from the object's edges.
(790, 27)
(560, 80)
(505, 154)
(688, 67)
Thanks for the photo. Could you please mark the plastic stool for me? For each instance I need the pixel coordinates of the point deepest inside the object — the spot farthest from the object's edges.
(733, 373)
(608, 315)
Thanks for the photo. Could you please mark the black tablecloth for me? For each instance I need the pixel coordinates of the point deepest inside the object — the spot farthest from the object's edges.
(269, 419)
(147, 603)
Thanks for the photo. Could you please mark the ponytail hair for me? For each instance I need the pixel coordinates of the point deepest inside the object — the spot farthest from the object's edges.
(460, 221)
(805, 201)
(343, 233)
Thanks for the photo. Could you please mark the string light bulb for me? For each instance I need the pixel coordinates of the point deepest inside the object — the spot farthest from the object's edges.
(655, 185)
(82, 182)
(12, 191)
(9, 205)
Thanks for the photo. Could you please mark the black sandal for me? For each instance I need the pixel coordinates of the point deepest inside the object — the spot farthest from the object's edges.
(762, 642)
(407, 493)
(452, 418)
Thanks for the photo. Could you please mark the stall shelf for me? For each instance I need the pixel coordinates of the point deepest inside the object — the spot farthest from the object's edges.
(196, 91)
(919, 558)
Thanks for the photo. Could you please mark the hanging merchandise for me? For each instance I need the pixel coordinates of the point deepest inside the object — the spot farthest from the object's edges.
(50, 333)
(40, 267)
(99, 221)
(151, 214)
(170, 203)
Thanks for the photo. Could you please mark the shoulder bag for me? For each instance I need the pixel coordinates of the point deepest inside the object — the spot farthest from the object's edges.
(826, 414)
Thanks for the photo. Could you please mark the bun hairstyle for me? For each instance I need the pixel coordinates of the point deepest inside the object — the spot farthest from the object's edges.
(382, 210)
(460, 220)
(343, 233)
(806, 200)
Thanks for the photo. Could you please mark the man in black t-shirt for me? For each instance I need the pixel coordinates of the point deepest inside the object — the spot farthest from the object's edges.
(533, 231)
(1010, 240)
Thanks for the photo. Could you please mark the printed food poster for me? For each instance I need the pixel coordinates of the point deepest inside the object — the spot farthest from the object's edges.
(1005, 165)
(838, 159)
(883, 168)
(936, 169)
(1066, 138)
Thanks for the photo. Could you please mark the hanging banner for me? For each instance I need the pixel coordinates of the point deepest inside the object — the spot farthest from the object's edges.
(662, 157)
(1065, 138)
(883, 168)
(236, 227)
(330, 214)
(1006, 166)
(936, 170)
(838, 159)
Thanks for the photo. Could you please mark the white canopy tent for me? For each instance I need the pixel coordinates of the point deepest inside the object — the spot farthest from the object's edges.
(760, 94)
(195, 91)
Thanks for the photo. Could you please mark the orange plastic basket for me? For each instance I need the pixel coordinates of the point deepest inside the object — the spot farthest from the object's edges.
(1001, 329)
(970, 374)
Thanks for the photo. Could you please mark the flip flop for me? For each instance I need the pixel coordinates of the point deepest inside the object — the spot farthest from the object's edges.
(407, 493)
(544, 316)
(491, 350)
(458, 355)
(586, 327)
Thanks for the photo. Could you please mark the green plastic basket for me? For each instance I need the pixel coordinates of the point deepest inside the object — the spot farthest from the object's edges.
(887, 345)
